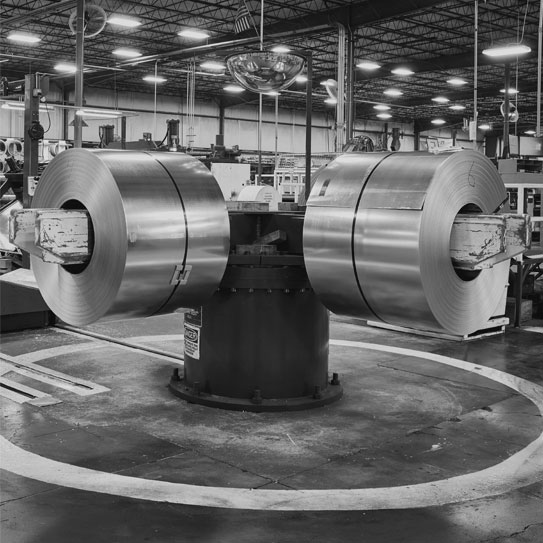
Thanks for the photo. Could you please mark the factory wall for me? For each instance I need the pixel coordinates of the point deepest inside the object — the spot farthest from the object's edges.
(240, 125)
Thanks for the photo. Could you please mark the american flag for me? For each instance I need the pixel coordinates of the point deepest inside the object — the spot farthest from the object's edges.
(243, 18)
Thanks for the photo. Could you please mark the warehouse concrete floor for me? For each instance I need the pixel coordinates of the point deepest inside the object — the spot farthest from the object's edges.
(408, 420)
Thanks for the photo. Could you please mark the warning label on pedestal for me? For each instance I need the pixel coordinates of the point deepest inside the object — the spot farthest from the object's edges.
(192, 341)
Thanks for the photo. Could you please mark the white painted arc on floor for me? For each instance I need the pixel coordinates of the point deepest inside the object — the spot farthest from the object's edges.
(521, 469)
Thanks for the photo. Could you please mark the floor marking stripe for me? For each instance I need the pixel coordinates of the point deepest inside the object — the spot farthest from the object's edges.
(538, 329)
(24, 394)
(521, 469)
(81, 387)
(55, 351)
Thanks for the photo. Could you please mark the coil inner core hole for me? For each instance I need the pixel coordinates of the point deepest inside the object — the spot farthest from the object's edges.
(78, 268)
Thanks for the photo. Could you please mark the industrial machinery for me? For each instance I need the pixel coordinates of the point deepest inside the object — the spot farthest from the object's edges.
(410, 239)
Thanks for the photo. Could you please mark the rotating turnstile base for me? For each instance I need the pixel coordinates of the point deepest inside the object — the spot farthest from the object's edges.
(258, 349)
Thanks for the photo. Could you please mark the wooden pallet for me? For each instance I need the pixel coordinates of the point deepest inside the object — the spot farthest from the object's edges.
(493, 327)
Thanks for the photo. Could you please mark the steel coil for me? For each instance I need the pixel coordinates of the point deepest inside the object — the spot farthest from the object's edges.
(14, 148)
(377, 239)
(157, 218)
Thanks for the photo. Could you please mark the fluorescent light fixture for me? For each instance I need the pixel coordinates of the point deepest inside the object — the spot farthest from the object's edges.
(23, 37)
(126, 53)
(438, 122)
(381, 107)
(457, 107)
(98, 113)
(393, 92)
(384, 116)
(233, 88)
(153, 79)
(271, 93)
(330, 101)
(328, 83)
(193, 34)
(64, 67)
(402, 71)
(457, 81)
(301, 79)
(20, 106)
(280, 49)
(368, 65)
(484, 126)
(440, 100)
(530, 132)
(212, 65)
(511, 90)
(122, 20)
(511, 50)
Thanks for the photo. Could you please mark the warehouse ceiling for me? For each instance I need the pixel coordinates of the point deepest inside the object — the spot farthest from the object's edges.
(435, 39)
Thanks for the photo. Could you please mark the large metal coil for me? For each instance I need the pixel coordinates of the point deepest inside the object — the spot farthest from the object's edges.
(377, 239)
(160, 240)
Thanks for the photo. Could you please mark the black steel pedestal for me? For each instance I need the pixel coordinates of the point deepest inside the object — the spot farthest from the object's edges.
(261, 343)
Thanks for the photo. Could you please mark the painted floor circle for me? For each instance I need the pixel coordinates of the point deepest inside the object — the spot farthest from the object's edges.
(521, 469)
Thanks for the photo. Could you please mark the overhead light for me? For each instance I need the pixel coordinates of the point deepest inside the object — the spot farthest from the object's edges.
(328, 83)
(381, 107)
(122, 20)
(368, 65)
(14, 105)
(330, 101)
(402, 71)
(511, 50)
(484, 126)
(457, 107)
(110, 114)
(233, 88)
(457, 81)
(23, 37)
(301, 79)
(384, 115)
(438, 122)
(68, 68)
(511, 90)
(271, 93)
(280, 49)
(393, 92)
(154, 79)
(440, 100)
(20, 106)
(212, 65)
(193, 34)
(126, 53)
(530, 132)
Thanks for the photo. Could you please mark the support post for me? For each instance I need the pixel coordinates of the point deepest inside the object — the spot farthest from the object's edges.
(349, 104)
(505, 146)
(30, 148)
(308, 122)
(79, 54)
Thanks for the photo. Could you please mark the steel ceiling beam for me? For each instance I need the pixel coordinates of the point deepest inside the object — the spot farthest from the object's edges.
(437, 64)
(35, 13)
(353, 15)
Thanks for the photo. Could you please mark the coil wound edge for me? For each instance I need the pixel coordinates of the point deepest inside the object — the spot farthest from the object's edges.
(377, 239)
(156, 218)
